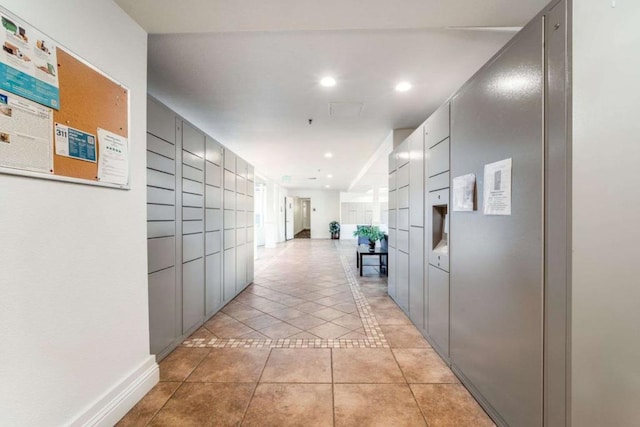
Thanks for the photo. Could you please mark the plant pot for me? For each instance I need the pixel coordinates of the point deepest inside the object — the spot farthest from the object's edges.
(372, 246)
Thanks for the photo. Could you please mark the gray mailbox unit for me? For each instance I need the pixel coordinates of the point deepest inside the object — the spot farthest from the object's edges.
(200, 227)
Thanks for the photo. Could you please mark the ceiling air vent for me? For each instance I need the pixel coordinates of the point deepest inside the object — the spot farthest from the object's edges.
(345, 109)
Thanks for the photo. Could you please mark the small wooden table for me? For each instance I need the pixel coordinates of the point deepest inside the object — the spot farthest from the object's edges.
(364, 250)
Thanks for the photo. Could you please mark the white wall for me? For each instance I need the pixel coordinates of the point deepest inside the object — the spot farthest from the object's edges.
(274, 213)
(325, 207)
(606, 212)
(74, 328)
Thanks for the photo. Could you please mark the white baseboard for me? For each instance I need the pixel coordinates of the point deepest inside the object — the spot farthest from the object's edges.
(114, 405)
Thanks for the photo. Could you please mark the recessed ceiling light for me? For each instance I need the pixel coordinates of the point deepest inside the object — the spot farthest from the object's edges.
(328, 155)
(403, 86)
(327, 186)
(329, 176)
(328, 81)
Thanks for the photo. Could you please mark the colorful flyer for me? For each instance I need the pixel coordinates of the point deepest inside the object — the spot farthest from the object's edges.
(28, 62)
(75, 143)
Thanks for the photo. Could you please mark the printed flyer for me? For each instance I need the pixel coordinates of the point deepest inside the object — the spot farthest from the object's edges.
(28, 62)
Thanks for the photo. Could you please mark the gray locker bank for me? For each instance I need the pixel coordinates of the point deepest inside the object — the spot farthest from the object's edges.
(200, 227)
(489, 292)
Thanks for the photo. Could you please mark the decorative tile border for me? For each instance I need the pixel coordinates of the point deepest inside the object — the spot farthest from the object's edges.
(374, 335)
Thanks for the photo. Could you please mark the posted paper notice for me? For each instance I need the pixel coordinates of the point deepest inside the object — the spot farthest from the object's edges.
(464, 193)
(28, 62)
(113, 160)
(25, 134)
(74, 143)
(497, 188)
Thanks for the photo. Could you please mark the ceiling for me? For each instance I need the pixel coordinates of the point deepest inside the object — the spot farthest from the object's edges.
(246, 72)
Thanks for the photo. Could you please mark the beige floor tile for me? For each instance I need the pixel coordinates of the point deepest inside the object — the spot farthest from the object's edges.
(269, 306)
(205, 404)
(304, 335)
(254, 335)
(327, 292)
(261, 321)
(449, 405)
(365, 365)
(231, 365)
(329, 301)
(287, 365)
(328, 313)
(328, 330)
(243, 312)
(423, 365)
(181, 362)
(349, 321)
(390, 316)
(291, 301)
(353, 335)
(151, 403)
(346, 307)
(280, 330)
(373, 405)
(224, 326)
(310, 307)
(306, 322)
(287, 313)
(290, 405)
(404, 336)
(202, 333)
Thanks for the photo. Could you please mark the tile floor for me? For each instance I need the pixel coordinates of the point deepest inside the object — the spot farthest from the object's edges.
(309, 344)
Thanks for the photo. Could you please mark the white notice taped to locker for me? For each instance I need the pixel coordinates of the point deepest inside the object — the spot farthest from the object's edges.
(464, 193)
(497, 188)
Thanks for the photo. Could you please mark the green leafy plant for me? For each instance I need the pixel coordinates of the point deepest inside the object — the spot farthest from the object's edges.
(371, 232)
(334, 229)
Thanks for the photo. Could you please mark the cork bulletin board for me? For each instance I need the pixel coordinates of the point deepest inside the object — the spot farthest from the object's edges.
(88, 101)
(60, 118)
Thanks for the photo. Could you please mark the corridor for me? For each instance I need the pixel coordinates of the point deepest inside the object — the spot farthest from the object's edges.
(308, 343)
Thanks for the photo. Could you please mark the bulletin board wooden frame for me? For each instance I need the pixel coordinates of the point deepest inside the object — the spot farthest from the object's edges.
(89, 100)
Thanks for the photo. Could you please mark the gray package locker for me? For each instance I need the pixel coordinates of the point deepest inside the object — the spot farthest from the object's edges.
(213, 227)
(193, 190)
(164, 305)
(391, 262)
(229, 223)
(437, 242)
(416, 227)
(402, 226)
(496, 261)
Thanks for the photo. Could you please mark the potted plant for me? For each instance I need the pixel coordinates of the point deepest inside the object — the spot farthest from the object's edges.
(371, 232)
(334, 229)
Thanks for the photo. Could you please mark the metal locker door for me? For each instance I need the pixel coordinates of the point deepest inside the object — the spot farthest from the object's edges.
(416, 270)
(439, 309)
(229, 284)
(213, 278)
(192, 295)
(402, 277)
(391, 271)
(496, 261)
(416, 178)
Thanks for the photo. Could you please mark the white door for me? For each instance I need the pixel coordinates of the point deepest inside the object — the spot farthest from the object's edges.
(306, 213)
(288, 217)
